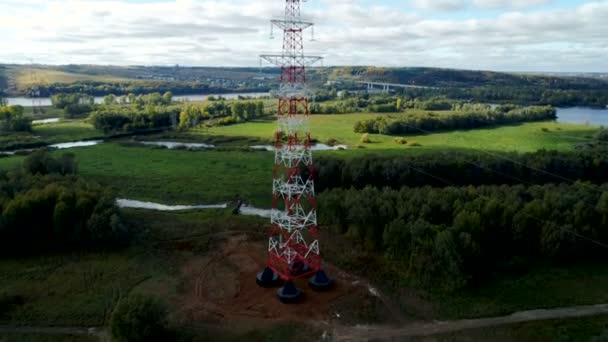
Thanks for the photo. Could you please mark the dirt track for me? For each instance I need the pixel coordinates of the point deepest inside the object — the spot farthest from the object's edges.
(365, 333)
(97, 332)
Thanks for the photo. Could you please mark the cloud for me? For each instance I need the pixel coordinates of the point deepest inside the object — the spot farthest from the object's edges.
(440, 5)
(513, 4)
(234, 33)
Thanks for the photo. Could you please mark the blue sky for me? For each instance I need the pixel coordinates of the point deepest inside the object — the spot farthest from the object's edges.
(504, 35)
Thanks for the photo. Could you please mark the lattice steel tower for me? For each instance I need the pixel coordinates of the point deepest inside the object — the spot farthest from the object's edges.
(293, 245)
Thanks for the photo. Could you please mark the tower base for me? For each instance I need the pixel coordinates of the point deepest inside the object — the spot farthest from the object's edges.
(320, 281)
(267, 278)
(289, 293)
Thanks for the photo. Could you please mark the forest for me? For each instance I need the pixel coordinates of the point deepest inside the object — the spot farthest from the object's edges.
(46, 207)
(452, 237)
(95, 88)
(462, 169)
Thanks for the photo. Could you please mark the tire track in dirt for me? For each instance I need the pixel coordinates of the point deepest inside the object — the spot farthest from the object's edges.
(366, 333)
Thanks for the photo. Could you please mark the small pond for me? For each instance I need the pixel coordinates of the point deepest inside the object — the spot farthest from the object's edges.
(62, 146)
(173, 144)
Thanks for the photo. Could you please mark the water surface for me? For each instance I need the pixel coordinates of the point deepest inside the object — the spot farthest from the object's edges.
(62, 146)
(173, 144)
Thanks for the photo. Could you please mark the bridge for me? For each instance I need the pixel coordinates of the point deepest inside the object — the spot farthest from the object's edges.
(386, 87)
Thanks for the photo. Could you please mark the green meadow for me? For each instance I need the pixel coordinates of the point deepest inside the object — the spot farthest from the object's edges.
(527, 137)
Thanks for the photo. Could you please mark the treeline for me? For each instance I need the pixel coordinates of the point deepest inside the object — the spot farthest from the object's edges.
(141, 100)
(45, 207)
(80, 104)
(462, 169)
(527, 96)
(452, 237)
(74, 104)
(13, 120)
(454, 78)
(219, 112)
(141, 87)
(465, 116)
(128, 119)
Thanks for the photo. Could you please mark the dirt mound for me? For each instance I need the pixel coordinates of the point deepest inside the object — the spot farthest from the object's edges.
(222, 286)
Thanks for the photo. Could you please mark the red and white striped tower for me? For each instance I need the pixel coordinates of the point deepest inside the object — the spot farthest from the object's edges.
(293, 245)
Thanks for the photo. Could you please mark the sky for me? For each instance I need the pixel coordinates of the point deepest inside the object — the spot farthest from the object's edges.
(501, 35)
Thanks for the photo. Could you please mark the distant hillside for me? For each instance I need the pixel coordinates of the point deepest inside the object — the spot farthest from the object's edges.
(92, 78)
(463, 78)
(3, 80)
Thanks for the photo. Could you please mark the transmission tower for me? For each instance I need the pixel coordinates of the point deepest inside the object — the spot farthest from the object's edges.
(35, 92)
(293, 245)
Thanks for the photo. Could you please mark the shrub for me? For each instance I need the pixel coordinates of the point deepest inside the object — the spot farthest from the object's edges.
(602, 134)
(365, 138)
(139, 318)
(414, 144)
(332, 142)
(400, 141)
(43, 163)
(544, 129)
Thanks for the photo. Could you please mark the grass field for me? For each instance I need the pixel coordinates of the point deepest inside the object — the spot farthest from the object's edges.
(540, 288)
(81, 288)
(42, 134)
(525, 137)
(26, 77)
(591, 329)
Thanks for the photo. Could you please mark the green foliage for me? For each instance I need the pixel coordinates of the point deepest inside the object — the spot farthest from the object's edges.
(365, 138)
(245, 111)
(400, 141)
(138, 318)
(460, 168)
(130, 119)
(42, 163)
(74, 104)
(451, 237)
(602, 135)
(13, 120)
(45, 207)
(465, 116)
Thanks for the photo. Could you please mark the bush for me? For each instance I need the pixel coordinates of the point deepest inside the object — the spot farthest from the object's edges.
(414, 144)
(602, 134)
(12, 119)
(365, 139)
(544, 129)
(41, 162)
(332, 142)
(139, 318)
(400, 141)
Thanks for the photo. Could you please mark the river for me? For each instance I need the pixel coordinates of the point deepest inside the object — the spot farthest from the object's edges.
(46, 101)
(583, 115)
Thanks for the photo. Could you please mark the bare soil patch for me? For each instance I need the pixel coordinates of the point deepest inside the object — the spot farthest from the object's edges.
(221, 286)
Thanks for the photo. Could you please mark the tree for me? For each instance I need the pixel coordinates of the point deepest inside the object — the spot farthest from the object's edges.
(3, 102)
(12, 119)
(259, 109)
(138, 318)
(109, 100)
(167, 98)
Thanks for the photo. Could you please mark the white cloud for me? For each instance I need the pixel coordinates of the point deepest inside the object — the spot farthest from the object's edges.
(218, 32)
(514, 4)
(440, 5)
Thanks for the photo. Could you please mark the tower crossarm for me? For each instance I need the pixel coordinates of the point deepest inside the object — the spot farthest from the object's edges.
(291, 24)
(290, 60)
